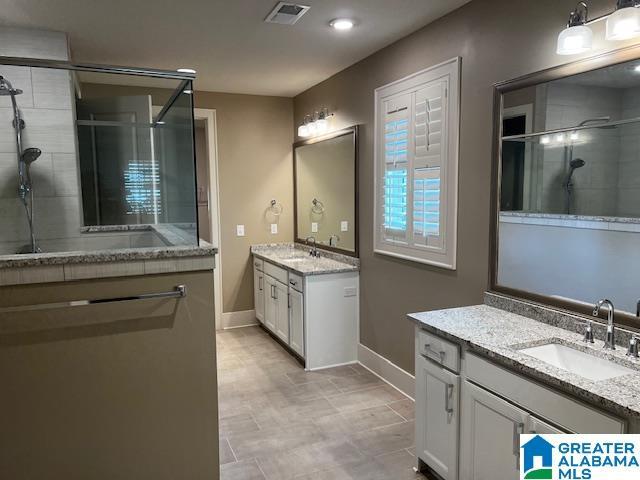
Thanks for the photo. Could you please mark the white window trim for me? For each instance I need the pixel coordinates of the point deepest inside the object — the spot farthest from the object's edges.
(447, 258)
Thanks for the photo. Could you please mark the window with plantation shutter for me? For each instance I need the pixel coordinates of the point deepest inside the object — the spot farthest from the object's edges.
(416, 163)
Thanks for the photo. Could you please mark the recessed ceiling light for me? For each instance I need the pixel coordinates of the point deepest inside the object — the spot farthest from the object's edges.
(188, 92)
(186, 70)
(342, 24)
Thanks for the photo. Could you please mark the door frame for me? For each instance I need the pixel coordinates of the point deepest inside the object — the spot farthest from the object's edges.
(209, 117)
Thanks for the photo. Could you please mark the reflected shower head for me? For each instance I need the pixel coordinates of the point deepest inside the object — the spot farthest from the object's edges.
(577, 163)
(7, 89)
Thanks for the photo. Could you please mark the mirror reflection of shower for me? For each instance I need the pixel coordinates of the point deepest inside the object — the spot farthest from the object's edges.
(25, 158)
(576, 163)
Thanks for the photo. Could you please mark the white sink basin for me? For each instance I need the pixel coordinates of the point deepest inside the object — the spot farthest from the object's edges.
(578, 362)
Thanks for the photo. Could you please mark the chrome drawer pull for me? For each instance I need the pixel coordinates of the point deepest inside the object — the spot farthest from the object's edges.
(440, 355)
(180, 291)
(448, 393)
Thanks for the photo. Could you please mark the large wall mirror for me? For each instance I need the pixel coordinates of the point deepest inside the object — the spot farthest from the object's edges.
(567, 224)
(325, 173)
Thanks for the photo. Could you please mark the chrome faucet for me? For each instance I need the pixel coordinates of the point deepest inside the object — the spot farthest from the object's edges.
(610, 342)
(314, 250)
(334, 239)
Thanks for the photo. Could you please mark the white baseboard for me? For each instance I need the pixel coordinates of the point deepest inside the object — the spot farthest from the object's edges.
(246, 318)
(389, 372)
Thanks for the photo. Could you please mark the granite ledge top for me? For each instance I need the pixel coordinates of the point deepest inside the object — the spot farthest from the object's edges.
(104, 256)
(296, 259)
(499, 335)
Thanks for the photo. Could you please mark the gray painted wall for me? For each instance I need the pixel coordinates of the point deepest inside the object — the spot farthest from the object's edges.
(497, 40)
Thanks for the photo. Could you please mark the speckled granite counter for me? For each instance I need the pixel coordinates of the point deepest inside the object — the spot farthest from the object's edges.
(499, 335)
(296, 258)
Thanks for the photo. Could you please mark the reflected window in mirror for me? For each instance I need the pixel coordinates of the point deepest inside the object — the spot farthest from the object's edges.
(568, 226)
(325, 191)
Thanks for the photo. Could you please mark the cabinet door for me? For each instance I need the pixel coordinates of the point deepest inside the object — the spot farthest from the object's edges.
(296, 311)
(437, 414)
(270, 305)
(282, 311)
(490, 436)
(258, 293)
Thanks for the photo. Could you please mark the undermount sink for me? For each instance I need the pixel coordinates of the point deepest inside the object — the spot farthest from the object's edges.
(578, 362)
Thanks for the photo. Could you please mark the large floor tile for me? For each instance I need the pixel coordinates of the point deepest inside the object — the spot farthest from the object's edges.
(309, 458)
(245, 470)
(386, 439)
(226, 455)
(280, 422)
(368, 398)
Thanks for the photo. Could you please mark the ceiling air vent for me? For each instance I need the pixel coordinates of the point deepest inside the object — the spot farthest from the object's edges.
(286, 13)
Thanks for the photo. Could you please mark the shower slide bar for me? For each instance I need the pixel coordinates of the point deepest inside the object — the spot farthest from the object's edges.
(180, 291)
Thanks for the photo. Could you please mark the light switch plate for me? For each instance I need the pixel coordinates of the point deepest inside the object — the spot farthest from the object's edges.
(314, 227)
(344, 226)
(274, 228)
(240, 230)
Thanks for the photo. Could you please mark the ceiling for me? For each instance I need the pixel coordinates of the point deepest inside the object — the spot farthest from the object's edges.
(227, 42)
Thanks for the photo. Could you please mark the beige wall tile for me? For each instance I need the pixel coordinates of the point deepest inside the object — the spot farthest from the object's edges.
(51, 88)
(102, 270)
(20, 78)
(19, 276)
(33, 43)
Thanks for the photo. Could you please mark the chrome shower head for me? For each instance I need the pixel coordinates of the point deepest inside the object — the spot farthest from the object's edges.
(30, 155)
(577, 163)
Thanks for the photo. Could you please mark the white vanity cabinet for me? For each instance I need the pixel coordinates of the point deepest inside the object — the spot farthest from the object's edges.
(276, 310)
(490, 434)
(258, 288)
(316, 316)
(296, 314)
(437, 398)
(470, 412)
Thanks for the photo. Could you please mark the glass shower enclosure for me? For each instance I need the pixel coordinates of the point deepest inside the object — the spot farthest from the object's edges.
(95, 158)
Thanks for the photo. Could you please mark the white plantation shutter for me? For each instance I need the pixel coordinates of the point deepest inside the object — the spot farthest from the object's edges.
(416, 166)
(395, 185)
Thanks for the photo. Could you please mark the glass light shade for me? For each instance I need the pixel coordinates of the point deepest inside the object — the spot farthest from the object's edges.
(312, 128)
(623, 24)
(303, 131)
(574, 40)
(322, 125)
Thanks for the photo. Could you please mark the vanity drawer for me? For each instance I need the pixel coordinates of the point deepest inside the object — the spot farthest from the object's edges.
(438, 350)
(278, 273)
(565, 412)
(258, 264)
(296, 282)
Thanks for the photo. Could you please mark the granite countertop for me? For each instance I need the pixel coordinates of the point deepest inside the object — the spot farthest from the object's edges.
(103, 256)
(296, 259)
(498, 335)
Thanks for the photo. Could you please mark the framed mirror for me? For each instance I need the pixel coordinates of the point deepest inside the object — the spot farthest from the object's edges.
(325, 191)
(566, 228)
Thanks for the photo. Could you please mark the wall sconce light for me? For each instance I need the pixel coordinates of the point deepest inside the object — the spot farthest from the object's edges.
(577, 37)
(622, 24)
(315, 124)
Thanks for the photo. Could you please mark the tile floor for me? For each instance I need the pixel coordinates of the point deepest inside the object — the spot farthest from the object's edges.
(279, 422)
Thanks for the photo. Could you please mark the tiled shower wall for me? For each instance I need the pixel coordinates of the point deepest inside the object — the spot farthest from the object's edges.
(595, 184)
(48, 110)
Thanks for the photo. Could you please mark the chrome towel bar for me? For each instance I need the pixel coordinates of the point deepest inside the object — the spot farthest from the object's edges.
(180, 291)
